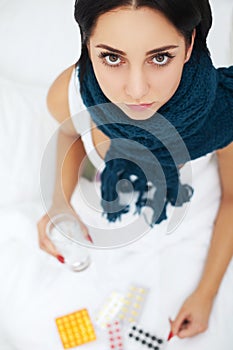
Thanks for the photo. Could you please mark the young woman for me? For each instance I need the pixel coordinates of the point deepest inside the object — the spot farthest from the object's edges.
(143, 57)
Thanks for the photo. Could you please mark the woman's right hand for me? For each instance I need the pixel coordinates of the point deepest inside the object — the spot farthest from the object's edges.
(44, 242)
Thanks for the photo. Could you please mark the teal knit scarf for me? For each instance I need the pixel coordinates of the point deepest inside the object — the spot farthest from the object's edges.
(198, 119)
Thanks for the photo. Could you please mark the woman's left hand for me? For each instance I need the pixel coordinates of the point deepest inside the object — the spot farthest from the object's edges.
(193, 316)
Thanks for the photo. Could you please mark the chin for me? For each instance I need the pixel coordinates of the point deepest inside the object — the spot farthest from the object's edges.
(140, 116)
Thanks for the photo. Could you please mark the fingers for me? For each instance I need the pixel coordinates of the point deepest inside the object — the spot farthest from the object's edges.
(170, 335)
(85, 232)
(178, 324)
(191, 329)
(47, 245)
(44, 242)
(186, 329)
(185, 326)
(83, 227)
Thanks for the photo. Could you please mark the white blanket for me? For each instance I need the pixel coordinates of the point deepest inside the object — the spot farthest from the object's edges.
(35, 288)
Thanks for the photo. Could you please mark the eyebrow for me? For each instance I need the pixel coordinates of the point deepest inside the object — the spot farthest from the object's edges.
(122, 53)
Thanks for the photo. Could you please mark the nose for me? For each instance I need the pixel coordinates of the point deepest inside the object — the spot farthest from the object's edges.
(137, 85)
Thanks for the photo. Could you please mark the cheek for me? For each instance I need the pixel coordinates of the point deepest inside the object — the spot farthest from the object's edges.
(110, 81)
(167, 82)
(112, 88)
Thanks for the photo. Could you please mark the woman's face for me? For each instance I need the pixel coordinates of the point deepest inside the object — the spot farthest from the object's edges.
(138, 58)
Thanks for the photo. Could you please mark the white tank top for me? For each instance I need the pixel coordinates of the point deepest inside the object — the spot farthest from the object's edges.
(82, 121)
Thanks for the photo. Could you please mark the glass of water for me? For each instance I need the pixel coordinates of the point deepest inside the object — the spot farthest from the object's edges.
(63, 230)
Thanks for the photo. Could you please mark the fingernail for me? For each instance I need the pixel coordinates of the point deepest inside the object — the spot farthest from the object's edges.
(171, 335)
(89, 238)
(61, 259)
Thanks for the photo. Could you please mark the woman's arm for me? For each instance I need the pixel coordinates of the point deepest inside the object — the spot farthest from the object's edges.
(70, 149)
(221, 247)
(194, 314)
(70, 154)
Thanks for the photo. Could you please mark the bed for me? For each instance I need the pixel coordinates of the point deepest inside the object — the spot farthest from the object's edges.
(38, 41)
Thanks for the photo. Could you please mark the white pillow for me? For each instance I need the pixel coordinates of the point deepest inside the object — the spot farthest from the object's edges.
(38, 39)
(220, 37)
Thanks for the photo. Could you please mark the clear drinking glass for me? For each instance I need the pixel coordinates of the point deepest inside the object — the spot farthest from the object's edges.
(62, 230)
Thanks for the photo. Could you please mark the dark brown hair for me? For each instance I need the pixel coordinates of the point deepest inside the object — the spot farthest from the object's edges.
(185, 15)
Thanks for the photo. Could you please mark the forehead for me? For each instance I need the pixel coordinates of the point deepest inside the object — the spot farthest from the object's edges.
(142, 26)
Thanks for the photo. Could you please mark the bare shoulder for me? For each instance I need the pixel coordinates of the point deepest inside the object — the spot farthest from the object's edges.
(57, 99)
(226, 151)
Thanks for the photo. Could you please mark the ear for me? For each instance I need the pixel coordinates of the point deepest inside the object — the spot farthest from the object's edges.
(190, 48)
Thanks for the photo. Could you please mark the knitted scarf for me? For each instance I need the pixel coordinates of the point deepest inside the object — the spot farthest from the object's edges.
(198, 119)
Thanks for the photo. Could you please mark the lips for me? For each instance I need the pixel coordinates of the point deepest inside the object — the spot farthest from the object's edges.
(140, 107)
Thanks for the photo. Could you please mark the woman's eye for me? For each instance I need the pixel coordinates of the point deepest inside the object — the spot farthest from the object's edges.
(160, 59)
(112, 60)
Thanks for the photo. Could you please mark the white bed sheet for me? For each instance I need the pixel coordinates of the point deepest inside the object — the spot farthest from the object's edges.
(35, 288)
